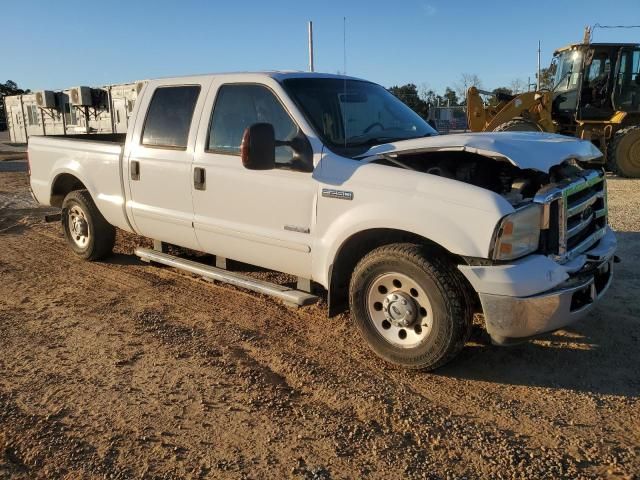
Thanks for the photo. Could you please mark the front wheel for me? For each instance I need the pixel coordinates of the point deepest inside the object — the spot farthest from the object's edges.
(87, 232)
(410, 306)
(624, 152)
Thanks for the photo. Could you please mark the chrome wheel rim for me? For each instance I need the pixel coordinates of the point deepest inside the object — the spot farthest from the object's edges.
(399, 309)
(78, 226)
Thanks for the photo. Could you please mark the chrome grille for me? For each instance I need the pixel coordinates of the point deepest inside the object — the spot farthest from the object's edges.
(575, 214)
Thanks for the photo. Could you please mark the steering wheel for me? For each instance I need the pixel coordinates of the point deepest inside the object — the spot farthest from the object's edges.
(374, 124)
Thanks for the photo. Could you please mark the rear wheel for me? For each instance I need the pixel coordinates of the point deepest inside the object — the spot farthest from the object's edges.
(518, 125)
(624, 152)
(87, 232)
(410, 305)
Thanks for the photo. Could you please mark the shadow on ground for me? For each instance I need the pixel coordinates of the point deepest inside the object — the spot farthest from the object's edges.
(598, 354)
(11, 165)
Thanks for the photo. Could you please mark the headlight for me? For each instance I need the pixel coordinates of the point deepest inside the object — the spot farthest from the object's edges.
(518, 233)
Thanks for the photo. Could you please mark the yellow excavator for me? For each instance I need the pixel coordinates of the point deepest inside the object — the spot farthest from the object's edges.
(595, 96)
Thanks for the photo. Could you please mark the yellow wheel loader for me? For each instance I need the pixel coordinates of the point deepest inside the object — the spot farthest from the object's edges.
(596, 96)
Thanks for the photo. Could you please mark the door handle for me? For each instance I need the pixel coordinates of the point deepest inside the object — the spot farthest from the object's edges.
(135, 170)
(199, 178)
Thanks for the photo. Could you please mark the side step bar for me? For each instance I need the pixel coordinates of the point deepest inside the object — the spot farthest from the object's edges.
(288, 295)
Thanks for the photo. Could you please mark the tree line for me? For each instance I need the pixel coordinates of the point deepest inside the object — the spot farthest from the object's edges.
(8, 88)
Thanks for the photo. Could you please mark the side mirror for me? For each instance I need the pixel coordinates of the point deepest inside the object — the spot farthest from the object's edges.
(258, 148)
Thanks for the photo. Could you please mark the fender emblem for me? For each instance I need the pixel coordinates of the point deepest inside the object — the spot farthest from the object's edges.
(340, 194)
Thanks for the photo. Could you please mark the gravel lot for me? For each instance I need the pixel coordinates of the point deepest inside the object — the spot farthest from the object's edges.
(122, 370)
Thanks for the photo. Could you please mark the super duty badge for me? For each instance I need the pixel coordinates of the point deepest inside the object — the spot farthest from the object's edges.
(340, 194)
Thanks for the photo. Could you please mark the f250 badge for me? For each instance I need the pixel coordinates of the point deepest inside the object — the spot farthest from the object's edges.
(340, 194)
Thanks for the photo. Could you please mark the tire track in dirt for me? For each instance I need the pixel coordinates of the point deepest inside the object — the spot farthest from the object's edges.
(315, 360)
(451, 424)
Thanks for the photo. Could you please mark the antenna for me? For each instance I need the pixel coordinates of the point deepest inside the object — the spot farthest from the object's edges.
(344, 72)
(538, 83)
(310, 46)
(344, 45)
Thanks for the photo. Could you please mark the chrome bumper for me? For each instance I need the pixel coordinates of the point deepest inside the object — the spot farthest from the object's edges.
(512, 319)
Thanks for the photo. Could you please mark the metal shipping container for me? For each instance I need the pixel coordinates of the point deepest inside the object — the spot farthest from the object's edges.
(72, 111)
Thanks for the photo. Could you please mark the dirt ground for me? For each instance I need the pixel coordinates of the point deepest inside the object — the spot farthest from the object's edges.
(120, 369)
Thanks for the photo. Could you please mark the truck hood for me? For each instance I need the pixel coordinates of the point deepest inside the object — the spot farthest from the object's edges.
(526, 150)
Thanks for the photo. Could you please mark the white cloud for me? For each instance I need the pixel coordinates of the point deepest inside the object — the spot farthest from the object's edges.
(429, 9)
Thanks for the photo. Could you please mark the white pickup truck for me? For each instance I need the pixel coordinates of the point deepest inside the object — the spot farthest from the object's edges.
(333, 180)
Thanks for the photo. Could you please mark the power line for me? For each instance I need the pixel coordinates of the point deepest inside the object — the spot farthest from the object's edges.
(609, 27)
(597, 25)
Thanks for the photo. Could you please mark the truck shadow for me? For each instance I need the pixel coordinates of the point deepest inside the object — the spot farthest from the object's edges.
(598, 354)
(123, 259)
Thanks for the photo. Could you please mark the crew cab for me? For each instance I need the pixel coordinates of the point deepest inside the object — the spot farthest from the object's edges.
(335, 181)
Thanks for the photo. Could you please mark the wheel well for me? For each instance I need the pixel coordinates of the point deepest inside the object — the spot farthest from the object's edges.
(62, 186)
(360, 244)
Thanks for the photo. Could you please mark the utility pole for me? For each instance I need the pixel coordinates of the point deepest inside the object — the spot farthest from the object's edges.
(538, 82)
(310, 46)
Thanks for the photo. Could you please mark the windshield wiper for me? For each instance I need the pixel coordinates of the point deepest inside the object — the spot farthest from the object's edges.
(375, 141)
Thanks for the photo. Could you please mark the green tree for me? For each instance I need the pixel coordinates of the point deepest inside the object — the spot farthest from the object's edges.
(6, 89)
(450, 97)
(409, 95)
(505, 90)
(546, 77)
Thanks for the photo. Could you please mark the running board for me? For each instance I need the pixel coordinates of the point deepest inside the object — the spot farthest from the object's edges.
(288, 295)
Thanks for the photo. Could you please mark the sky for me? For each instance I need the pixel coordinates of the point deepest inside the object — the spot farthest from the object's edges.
(59, 44)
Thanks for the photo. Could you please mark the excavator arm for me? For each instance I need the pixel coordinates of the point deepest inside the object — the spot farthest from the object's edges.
(534, 107)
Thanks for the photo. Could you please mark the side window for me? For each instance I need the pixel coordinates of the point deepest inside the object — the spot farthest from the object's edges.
(239, 106)
(594, 69)
(169, 116)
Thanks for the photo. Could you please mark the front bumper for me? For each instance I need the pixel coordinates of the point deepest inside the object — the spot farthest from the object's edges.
(509, 318)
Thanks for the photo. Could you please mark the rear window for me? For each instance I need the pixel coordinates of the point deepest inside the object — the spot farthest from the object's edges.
(169, 116)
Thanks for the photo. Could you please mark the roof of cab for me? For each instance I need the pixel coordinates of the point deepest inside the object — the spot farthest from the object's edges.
(571, 46)
(278, 75)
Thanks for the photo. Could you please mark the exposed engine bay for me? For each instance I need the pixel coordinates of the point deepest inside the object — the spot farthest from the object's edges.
(500, 176)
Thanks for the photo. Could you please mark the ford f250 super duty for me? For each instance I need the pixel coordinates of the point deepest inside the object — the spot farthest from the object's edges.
(335, 181)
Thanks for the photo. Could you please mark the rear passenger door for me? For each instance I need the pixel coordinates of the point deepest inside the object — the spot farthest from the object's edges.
(159, 162)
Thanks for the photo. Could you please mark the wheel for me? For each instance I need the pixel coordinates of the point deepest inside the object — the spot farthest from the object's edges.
(410, 305)
(87, 232)
(518, 125)
(624, 152)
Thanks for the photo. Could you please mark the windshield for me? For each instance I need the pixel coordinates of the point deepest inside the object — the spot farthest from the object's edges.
(569, 65)
(354, 114)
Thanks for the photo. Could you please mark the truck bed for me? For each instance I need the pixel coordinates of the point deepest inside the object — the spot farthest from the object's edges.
(93, 160)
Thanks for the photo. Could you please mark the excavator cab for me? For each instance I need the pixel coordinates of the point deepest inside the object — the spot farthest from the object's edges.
(626, 82)
(595, 96)
(594, 81)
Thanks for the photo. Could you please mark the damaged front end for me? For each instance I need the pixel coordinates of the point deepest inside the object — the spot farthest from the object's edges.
(551, 259)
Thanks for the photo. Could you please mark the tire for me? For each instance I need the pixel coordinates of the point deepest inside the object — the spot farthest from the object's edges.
(624, 152)
(437, 305)
(518, 125)
(87, 232)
